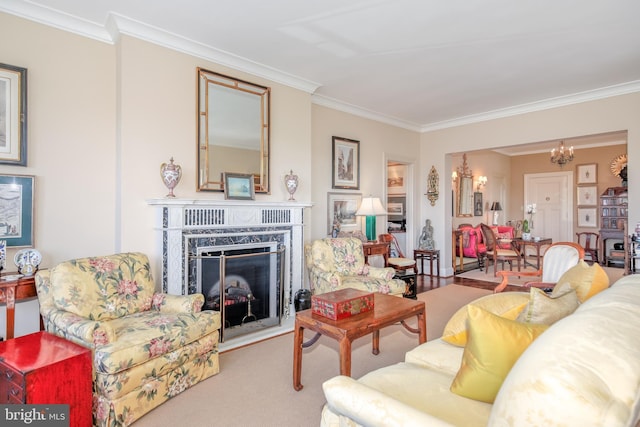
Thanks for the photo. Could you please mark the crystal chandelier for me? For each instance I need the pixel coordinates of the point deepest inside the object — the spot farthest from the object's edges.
(560, 155)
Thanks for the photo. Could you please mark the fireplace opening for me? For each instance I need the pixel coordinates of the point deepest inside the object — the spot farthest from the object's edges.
(252, 295)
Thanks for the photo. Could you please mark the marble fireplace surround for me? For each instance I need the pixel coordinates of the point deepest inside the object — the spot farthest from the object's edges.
(182, 223)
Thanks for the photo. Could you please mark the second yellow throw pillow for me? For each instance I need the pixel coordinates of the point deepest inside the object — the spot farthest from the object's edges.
(494, 345)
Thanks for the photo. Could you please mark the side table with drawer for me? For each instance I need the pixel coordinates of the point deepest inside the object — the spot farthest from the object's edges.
(41, 368)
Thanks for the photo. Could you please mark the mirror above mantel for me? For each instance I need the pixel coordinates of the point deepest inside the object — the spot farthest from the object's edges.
(233, 131)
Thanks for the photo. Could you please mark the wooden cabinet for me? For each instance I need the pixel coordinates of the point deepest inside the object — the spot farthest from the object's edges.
(42, 368)
(613, 218)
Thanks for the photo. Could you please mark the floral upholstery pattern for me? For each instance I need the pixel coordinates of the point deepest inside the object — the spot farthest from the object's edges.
(339, 263)
(147, 346)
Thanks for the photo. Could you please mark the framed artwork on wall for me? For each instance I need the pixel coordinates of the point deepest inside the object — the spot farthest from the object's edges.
(477, 203)
(346, 163)
(16, 209)
(587, 174)
(395, 179)
(588, 196)
(239, 186)
(587, 217)
(13, 115)
(341, 209)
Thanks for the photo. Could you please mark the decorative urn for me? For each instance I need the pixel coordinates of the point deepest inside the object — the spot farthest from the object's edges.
(170, 174)
(291, 182)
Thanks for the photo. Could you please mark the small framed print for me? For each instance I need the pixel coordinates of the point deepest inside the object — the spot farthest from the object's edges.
(587, 174)
(395, 209)
(477, 203)
(588, 196)
(13, 115)
(587, 217)
(341, 210)
(16, 210)
(346, 163)
(239, 186)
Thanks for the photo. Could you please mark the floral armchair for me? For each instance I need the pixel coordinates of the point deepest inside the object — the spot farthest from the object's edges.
(147, 347)
(339, 263)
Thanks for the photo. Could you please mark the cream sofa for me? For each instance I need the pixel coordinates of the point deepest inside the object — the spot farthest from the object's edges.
(584, 370)
(147, 346)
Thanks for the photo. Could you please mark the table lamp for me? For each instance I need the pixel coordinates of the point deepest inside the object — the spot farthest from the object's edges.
(496, 208)
(371, 207)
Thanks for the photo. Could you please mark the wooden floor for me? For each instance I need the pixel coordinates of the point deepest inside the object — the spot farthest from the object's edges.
(425, 283)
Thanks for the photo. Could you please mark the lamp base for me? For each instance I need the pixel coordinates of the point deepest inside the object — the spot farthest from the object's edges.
(371, 227)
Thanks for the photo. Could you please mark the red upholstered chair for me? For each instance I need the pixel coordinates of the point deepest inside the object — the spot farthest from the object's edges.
(473, 245)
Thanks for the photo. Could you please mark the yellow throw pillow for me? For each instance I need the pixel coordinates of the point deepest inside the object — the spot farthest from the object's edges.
(545, 309)
(494, 346)
(586, 280)
(504, 304)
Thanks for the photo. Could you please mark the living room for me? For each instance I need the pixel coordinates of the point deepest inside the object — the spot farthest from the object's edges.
(105, 112)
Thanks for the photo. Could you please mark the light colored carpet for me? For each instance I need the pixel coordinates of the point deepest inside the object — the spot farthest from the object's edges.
(255, 385)
(477, 274)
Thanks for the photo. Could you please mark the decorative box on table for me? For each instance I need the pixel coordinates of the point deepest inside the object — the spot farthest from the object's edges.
(341, 304)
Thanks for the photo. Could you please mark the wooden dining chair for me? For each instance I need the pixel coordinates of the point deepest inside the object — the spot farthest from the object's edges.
(589, 241)
(399, 263)
(497, 254)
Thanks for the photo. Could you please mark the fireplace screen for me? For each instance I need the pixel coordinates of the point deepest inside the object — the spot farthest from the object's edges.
(252, 295)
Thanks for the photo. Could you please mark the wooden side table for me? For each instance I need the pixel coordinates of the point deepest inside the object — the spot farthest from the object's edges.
(14, 287)
(41, 368)
(376, 248)
(430, 255)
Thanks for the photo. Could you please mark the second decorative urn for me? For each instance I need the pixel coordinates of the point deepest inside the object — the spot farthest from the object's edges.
(291, 182)
(171, 174)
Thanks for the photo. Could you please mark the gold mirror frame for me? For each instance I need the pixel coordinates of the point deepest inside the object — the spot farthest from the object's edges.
(233, 131)
(464, 190)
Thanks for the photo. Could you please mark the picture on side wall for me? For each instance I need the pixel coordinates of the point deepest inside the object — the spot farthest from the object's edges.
(346, 163)
(587, 174)
(477, 204)
(13, 115)
(587, 217)
(16, 210)
(341, 210)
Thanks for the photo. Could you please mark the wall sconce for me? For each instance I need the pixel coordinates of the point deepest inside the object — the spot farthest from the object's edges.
(432, 186)
(371, 207)
(454, 176)
(482, 181)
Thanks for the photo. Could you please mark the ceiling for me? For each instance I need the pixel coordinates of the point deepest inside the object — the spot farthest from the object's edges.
(419, 64)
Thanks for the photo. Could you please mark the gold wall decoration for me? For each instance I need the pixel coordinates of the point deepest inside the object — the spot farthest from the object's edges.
(432, 186)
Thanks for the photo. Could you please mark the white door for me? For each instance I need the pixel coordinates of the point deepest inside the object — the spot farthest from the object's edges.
(552, 194)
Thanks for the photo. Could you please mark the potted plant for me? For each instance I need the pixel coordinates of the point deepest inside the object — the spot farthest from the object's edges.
(526, 235)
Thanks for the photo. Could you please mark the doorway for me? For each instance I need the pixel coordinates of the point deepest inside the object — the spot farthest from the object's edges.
(552, 196)
(399, 187)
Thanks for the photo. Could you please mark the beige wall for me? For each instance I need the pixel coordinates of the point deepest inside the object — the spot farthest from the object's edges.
(617, 113)
(379, 142)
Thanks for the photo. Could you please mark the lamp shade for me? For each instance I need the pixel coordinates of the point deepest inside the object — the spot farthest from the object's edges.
(370, 207)
(495, 206)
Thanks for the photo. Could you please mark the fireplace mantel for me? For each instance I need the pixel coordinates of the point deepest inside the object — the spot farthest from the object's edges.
(181, 222)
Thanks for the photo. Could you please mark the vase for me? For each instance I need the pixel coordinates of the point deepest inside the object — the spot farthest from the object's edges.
(526, 236)
(171, 174)
(291, 182)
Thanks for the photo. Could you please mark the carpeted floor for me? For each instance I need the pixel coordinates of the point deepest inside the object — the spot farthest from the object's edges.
(254, 386)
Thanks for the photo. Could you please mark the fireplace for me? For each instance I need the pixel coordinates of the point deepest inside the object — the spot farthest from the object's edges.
(252, 295)
(197, 232)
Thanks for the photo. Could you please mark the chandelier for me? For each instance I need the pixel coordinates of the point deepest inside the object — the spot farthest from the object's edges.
(560, 155)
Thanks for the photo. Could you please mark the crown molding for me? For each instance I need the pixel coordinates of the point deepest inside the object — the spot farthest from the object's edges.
(117, 25)
(54, 18)
(545, 104)
(335, 104)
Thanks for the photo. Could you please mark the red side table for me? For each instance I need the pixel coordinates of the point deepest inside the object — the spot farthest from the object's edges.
(41, 368)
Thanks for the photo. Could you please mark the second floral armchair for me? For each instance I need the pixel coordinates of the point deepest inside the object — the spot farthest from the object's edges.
(335, 264)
